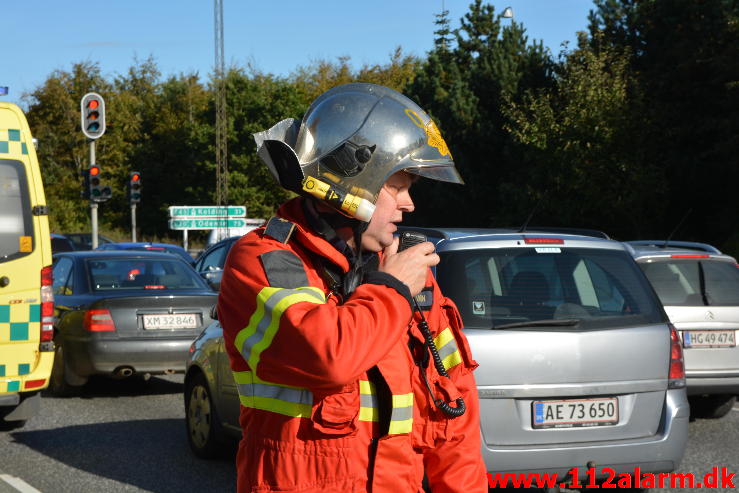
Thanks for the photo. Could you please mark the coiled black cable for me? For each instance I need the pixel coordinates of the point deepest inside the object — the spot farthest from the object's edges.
(452, 412)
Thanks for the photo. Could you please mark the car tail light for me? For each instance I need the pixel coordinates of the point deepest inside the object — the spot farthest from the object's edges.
(99, 320)
(689, 255)
(543, 241)
(676, 378)
(47, 307)
(34, 384)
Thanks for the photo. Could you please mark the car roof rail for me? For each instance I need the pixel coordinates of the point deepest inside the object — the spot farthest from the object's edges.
(447, 233)
(566, 231)
(689, 245)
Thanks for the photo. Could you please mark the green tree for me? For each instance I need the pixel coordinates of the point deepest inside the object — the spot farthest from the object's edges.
(256, 101)
(582, 142)
(313, 80)
(464, 85)
(685, 59)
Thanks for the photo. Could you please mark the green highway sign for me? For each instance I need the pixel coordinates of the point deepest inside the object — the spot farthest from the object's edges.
(211, 223)
(212, 211)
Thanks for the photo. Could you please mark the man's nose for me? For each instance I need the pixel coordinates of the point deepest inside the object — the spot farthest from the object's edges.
(405, 202)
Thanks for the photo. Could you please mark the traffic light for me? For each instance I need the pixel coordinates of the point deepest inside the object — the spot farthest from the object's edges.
(134, 187)
(95, 189)
(92, 108)
(85, 184)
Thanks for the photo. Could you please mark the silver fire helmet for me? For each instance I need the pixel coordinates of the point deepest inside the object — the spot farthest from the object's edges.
(351, 140)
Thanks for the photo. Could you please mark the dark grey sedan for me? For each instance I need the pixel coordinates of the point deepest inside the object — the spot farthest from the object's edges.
(123, 313)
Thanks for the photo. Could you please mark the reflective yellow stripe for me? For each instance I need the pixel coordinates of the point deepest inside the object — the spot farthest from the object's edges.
(447, 347)
(401, 419)
(297, 402)
(452, 360)
(403, 400)
(282, 399)
(264, 322)
(444, 337)
(367, 401)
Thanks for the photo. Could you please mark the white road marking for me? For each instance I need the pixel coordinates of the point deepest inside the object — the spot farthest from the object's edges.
(18, 484)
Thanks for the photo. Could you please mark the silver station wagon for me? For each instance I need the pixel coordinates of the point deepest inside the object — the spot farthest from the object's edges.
(579, 366)
(699, 288)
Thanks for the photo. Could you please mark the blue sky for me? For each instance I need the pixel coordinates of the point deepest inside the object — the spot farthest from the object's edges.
(39, 36)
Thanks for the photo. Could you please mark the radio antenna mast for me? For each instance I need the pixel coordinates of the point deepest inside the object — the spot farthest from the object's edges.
(220, 99)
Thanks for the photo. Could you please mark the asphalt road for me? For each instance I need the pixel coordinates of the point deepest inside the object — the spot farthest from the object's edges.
(129, 436)
(120, 436)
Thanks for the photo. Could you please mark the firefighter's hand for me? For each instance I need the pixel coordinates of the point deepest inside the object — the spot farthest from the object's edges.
(409, 266)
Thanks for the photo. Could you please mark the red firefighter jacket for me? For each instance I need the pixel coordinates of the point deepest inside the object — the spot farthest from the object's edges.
(331, 395)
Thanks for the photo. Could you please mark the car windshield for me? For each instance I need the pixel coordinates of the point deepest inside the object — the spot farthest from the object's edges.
(141, 273)
(686, 282)
(579, 287)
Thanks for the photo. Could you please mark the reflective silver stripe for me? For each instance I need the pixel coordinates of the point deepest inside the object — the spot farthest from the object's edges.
(401, 418)
(367, 400)
(266, 320)
(296, 396)
(447, 349)
(402, 413)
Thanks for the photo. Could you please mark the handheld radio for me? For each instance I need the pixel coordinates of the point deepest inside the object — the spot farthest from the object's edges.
(407, 240)
(410, 238)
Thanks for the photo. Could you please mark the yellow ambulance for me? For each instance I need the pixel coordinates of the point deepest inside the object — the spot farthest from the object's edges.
(26, 299)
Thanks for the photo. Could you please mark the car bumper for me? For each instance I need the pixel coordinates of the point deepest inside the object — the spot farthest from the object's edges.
(661, 452)
(712, 382)
(37, 380)
(105, 356)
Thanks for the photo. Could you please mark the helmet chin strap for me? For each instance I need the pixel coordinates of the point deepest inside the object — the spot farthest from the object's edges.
(356, 273)
(326, 221)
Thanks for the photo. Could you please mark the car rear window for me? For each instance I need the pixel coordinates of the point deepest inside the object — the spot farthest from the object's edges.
(16, 223)
(598, 288)
(690, 282)
(142, 273)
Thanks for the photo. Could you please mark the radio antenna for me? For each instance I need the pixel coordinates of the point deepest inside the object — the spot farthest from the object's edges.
(528, 219)
(685, 216)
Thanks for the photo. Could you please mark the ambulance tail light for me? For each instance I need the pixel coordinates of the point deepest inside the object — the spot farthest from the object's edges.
(676, 377)
(98, 320)
(47, 309)
(34, 384)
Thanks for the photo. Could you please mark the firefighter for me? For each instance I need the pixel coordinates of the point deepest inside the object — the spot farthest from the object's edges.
(352, 369)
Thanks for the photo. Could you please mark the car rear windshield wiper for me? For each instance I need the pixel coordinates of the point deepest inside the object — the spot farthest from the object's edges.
(556, 322)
